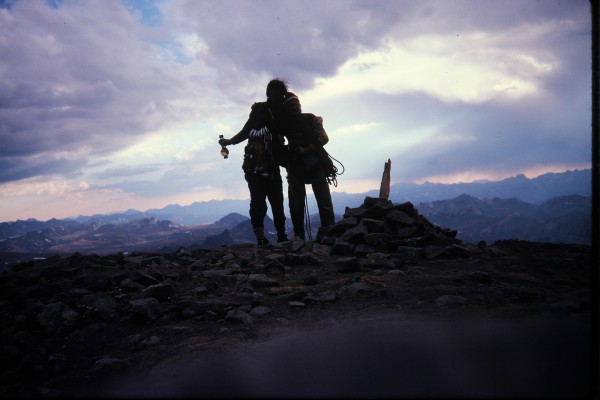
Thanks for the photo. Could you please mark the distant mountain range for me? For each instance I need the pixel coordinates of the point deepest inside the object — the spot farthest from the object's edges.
(535, 191)
(485, 211)
(566, 219)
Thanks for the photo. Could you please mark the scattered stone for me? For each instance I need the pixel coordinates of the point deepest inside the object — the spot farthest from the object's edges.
(304, 258)
(407, 255)
(143, 278)
(433, 251)
(363, 249)
(57, 318)
(130, 286)
(238, 315)
(296, 244)
(274, 268)
(161, 291)
(356, 288)
(260, 311)
(183, 252)
(355, 235)
(399, 217)
(347, 264)
(146, 309)
(326, 296)
(321, 250)
(261, 281)
(221, 276)
(100, 305)
(151, 341)
(342, 247)
(378, 262)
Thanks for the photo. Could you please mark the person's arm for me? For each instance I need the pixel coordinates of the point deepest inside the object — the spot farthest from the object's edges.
(319, 140)
(242, 134)
(322, 137)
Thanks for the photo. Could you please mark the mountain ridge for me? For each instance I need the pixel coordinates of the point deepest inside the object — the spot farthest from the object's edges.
(560, 219)
(565, 219)
(535, 190)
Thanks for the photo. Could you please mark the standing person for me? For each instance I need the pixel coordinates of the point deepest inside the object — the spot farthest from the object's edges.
(262, 156)
(306, 138)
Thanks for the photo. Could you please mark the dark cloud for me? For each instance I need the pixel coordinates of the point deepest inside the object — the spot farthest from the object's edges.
(311, 39)
(79, 79)
(301, 40)
(15, 169)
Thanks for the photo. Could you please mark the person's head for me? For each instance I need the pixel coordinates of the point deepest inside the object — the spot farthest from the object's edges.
(276, 90)
(291, 105)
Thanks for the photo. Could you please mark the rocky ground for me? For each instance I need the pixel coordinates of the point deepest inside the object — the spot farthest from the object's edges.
(383, 304)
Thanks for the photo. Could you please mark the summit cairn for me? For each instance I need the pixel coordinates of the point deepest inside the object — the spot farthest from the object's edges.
(378, 225)
(384, 190)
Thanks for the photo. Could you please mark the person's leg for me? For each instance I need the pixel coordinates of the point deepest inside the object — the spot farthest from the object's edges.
(258, 205)
(323, 197)
(296, 195)
(275, 196)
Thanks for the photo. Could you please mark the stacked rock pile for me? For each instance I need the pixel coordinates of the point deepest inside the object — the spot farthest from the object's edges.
(380, 226)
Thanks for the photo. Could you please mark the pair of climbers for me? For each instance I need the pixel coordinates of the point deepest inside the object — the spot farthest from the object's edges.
(270, 123)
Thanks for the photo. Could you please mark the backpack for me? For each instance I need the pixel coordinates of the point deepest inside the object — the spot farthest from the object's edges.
(265, 149)
(305, 166)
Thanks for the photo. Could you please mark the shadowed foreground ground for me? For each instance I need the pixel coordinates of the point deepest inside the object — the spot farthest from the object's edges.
(388, 356)
(513, 319)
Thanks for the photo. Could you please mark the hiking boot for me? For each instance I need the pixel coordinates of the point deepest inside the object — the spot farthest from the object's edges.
(321, 233)
(263, 241)
(282, 238)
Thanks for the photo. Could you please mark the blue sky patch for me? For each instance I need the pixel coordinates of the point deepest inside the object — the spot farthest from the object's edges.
(148, 10)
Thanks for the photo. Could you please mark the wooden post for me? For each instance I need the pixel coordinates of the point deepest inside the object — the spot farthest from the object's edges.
(384, 191)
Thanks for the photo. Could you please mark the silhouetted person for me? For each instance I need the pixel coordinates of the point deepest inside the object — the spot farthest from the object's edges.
(306, 136)
(262, 157)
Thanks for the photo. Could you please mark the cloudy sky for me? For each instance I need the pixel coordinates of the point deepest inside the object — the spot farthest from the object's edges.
(108, 105)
